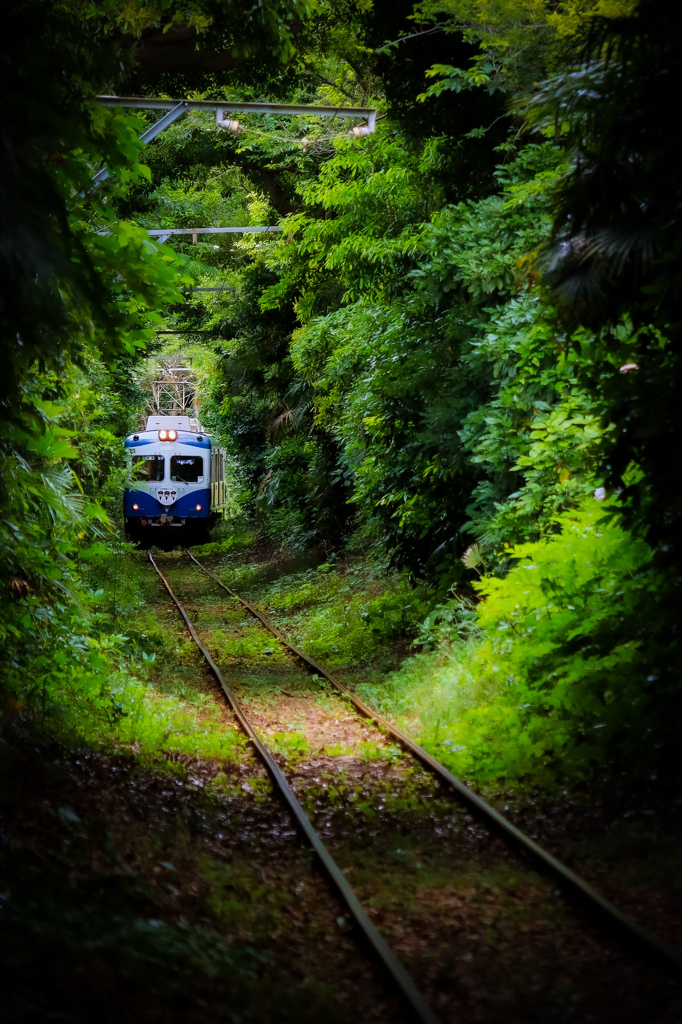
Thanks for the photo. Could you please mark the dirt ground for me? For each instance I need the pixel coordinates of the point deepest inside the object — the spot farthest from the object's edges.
(179, 888)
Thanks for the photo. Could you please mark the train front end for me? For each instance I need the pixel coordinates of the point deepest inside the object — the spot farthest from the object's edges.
(168, 493)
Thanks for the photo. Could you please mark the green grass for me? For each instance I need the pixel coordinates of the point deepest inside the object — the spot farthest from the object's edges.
(342, 614)
(115, 709)
(292, 746)
(250, 646)
(131, 679)
(545, 684)
(433, 689)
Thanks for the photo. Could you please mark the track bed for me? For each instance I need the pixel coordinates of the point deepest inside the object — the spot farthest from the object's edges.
(483, 934)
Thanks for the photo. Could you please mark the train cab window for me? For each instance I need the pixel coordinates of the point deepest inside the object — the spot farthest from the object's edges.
(187, 469)
(148, 467)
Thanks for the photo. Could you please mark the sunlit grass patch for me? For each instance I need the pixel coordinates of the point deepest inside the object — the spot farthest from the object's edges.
(337, 612)
(164, 723)
(341, 614)
(292, 746)
(548, 689)
(251, 645)
(133, 681)
(337, 750)
(432, 693)
(112, 710)
(372, 750)
(434, 688)
(226, 539)
(303, 589)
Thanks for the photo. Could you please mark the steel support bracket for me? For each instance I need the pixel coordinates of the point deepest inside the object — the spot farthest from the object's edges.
(151, 133)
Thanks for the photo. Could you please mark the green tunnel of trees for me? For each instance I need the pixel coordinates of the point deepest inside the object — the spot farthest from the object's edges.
(460, 354)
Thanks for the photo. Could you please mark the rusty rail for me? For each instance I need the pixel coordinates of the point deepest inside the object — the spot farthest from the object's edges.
(578, 885)
(421, 1011)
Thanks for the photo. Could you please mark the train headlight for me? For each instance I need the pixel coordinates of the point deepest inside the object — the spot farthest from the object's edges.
(163, 434)
(172, 435)
(136, 507)
(198, 508)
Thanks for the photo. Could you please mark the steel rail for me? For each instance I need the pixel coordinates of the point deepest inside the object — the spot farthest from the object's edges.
(420, 1008)
(625, 923)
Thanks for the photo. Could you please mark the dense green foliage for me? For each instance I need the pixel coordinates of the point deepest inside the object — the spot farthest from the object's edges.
(552, 678)
(467, 326)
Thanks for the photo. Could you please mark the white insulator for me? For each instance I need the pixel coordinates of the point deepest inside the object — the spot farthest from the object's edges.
(227, 123)
(360, 131)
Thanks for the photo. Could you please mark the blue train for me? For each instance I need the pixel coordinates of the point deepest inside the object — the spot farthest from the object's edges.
(176, 485)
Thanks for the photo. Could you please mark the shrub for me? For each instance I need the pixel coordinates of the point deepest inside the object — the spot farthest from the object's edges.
(569, 670)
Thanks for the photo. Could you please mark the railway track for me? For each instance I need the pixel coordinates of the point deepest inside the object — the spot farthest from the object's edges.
(569, 881)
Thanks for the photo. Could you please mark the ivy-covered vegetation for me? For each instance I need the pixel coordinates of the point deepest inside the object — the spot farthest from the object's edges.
(458, 358)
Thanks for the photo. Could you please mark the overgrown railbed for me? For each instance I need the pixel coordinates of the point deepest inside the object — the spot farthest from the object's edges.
(173, 879)
(169, 891)
(168, 884)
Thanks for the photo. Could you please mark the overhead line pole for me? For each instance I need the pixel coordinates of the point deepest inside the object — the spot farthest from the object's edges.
(176, 108)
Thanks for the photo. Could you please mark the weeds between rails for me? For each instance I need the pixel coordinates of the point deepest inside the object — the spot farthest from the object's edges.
(547, 862)
(421, 1011)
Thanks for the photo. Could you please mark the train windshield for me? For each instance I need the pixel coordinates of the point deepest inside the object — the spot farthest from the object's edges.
(187, 469)
(148, 467)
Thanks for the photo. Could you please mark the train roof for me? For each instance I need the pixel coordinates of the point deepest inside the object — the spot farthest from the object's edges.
(184, 431)
(173, 423)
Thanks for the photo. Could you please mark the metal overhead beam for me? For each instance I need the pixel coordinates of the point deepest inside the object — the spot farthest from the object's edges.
(240, 107)
(163, 233)
(211, 231)
(222, 288)
(156, 232)
(176, 108)
(173, 114)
